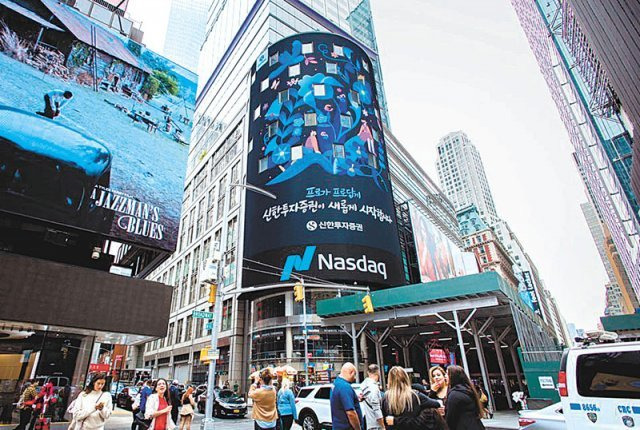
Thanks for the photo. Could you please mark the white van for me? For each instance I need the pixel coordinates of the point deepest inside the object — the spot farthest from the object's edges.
(600, 386)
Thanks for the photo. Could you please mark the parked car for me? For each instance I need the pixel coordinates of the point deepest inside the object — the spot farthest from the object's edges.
(226, 403)
(312, 404)
(549, 418)
(126, 397)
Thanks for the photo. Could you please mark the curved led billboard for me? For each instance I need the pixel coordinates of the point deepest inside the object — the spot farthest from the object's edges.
(93, 135)
(316, 143)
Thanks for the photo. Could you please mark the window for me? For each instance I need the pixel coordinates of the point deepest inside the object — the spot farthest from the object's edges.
(170, 335)
(264, 84)
(221, 196)
(296, 152)
(283, 96)
(319, 90)
(338, 151)
(310, 119)
(179, 331)
(332, 68)
(189, 327)
(355, 97)
(294, 70)
(271, 307)
(273, 59)
(338, 50)
(211, 206)
(256, 113)
(272, 129)
(345, 121)
(307, 48)
(304, 393)
(263, 164)
(372, 161)
(323, 393)
(231, 233)
(227, 306)
(610, 375)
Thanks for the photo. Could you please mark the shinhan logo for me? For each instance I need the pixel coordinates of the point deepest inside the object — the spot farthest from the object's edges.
(331, 262)
(298, 263)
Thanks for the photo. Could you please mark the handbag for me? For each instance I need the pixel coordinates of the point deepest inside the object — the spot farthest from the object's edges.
(42, 423)
(142, 421)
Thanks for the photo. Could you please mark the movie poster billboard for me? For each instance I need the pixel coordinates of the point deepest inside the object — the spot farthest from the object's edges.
(316, 143)
(94, 128)
(527, 289)
(438, 257)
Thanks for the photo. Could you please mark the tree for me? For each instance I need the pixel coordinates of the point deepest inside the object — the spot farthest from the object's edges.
(150, 87)
(168, 84)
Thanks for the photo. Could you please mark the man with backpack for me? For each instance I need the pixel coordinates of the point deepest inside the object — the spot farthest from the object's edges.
(371, 398)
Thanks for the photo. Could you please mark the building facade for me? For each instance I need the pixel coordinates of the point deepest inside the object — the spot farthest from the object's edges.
(264, 328)
(588, 108)
(462, 176)
(185, 32)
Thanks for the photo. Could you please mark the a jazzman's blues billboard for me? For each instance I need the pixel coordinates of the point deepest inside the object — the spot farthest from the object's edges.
(95, 139)
(316, 142)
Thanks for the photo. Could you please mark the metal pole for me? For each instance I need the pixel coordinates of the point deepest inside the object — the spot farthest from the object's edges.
(461, 342)
(304, 333)
(354, 340)
(516, 365)
(503, 370)
(483, 365)
(208, 422)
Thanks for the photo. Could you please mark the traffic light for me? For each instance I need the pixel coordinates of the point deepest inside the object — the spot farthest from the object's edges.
(213, 289)
(298, 292)
(367, 305)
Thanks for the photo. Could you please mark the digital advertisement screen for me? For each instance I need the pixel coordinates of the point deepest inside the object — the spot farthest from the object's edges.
(94, 128)
(317, 144)
(438, 257)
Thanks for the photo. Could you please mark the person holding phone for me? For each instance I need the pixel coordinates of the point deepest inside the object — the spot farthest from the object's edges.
(158, 408)
(263, 394)
(93, 407)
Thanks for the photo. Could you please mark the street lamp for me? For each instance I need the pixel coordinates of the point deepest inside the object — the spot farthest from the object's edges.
(208, 422)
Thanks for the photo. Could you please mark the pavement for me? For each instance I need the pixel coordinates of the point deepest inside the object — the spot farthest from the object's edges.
(121, 420)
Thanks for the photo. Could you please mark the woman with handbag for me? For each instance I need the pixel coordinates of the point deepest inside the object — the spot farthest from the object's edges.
(187, 413)
(92, 408)
(158, 408)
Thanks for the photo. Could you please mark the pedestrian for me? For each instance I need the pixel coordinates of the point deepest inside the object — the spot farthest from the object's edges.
(425, 384)
(484, 401)
(187, 412)
(44, 407)
(439, 385)
(264, 414)
(174, 393)
(25, 404)
(54, 101)
(158, 407)
(286, 404)
(463, 408)
(138, 407)
(407, 409)
(371, 399)
(345, 406)
(92, 408)
(64, 394)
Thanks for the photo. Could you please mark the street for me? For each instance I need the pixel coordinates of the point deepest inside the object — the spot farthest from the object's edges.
(121, 420)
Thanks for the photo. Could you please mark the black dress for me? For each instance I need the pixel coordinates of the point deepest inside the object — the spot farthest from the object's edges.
(423, 415)
(462, 410)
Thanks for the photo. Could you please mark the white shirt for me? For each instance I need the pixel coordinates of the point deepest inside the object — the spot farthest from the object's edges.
(85, 413)
(371, 403)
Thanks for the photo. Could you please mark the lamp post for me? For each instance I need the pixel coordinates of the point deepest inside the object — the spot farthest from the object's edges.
(208, 422)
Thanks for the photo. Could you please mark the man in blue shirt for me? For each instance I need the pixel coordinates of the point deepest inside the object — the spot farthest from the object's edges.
(345, 407)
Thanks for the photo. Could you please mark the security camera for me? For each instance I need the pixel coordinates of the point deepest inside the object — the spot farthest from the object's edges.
(96, 253)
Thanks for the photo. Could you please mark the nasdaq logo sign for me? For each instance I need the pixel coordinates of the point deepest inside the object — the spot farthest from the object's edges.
(295, 262)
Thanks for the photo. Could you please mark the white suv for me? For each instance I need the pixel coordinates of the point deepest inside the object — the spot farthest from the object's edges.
(312, 404)
(600, 386)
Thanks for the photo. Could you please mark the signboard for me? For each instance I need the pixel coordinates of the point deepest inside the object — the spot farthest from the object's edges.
(438, 257)
(323, 376)
(529, 287)
(101, 149)
(208, 326)
(546, 382)
(438, 356)
(99, 367)
(119, 270)
(317, 143)
(202, 314)
(208, 354)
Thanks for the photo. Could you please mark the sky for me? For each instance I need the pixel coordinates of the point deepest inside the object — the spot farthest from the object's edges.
(466, 65)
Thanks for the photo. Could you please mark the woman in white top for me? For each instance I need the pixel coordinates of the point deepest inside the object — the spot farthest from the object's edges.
(158, 408)
(93, 407)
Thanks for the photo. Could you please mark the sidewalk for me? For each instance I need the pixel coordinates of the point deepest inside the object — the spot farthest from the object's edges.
(503, 420)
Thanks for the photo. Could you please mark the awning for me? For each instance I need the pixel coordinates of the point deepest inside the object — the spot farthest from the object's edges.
(29, 14)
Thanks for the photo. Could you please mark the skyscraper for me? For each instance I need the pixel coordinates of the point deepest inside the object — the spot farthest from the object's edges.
(589, 108)
(185, 32)
(462, 176)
